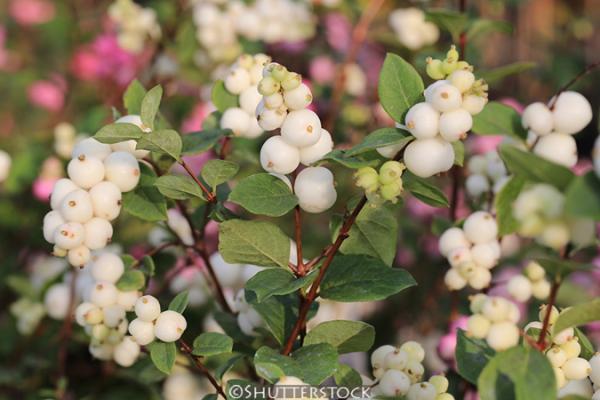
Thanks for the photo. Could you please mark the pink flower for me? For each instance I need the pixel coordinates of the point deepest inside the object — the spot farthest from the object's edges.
(46, 94)
(85, 64)
(513, 103)
(582, 167)
(193, 122)
(447, 344)
(322, 69)
(338, 30)
(42, 188)
(31, 12)
(484, 144)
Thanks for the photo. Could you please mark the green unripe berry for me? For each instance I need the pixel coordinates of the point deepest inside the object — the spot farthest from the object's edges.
(434, 69)
(449, 66)
(291, 81)
(391, 191)
(452, 54)
(267, 86)
(279, 72)
(375, 199)
(367, 178)
(245, 61)
(390, 172)
(464, 65)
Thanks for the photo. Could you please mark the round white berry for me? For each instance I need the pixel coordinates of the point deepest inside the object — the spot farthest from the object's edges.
(83, 310)
(555, 235)
(480, 278)
(69, 235)
(541, 289)
(451, 239)
(107, 267)
(459, 256)
(473, 104)
(556, 356)
(52, 220)
(315, 189)
(486, 255)
(557, 147)
(595, 366)
(123, 170)
(142, 331)
(56, 300)
(276, 155)
(422, 121)
(394, 383)
(563, 336)
(480, 227)
(127, 299)
(228, 274)
(427, 157)
(235, 119)
(274, 101)
(571, 112)
(104, 294)
(576, 368)
(519, 287)
(415, 370)
(421, 391)
(495, 309)
(440, 382)
(254, 130)
(314, 153)
(90, 147)
(237, 81)
(126, 352)
(147, 308)
(415, 351)
(538, 118)
(397, 359)
(249, 100)
(106, 200)
(461, 79)
(298, 98)
(98, 233)
(455, 124)
(301, 128)
(503, 335)
(113, 315)
(444, 97)
(378, 356)
(77, 206)
(79, 256)
(271, 119)
(580, 388)
(454, 280)
(61, 188)
(477, 185)
(85, 171)
(102, 351)
(478, 326)
(169, 326)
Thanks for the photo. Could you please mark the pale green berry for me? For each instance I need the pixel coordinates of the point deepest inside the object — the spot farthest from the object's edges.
(367, 178)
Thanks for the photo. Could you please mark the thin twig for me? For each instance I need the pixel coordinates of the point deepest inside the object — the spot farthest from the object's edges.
(551, 301)
(583, 73)
(210, 196)
(186, 348)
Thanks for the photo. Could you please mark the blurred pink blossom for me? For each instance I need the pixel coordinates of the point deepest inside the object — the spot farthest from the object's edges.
(193, 122)
(514, 103)
(31, 12)
(582, 167)
(471, 395)
(447, 345)
(338, 30)
(419, 209)
(42, 188)
(47, 94)
(484, 144)
(322, 69)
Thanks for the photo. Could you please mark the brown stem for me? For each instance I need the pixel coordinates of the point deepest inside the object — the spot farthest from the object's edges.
(306, 303)
(551, 301)
(209, 195)
(152, 252)
(583, 73)
(224, 147)
(198, 363)
(298, 236)
(359, 35)
(65, 333)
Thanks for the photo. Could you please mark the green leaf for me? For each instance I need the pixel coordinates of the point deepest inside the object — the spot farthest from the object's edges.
(472, 355)
(165, 141)
(312, 364)
(345, 336)
(133, 96)
(163, 355)
(482, 26)
(400, 86)
(145, 201)
(560, 267)
(424, 191)
(534, 168)
(459, 153)
(362, 278)
(380, 138)
(148, 266)
(150, 105)
(503, 204)
(583, 197)
(180, 302)
(587, 348)
(21, 286)
(499, 73)
(347, 377)
(529, 373)
(339, 157)
(253, 242)
(199, 142)
(374, 233)
(216, 172)
(132, 279)
(178, 187)
(221, 98)
(264, 194)
(499, 119)
(211, 343)
(452, 21)
(275, 281)
(577, 315)
(115, 133)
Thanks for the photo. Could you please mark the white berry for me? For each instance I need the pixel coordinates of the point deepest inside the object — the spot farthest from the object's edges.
(538, 118)
(61, 188)
(90, 147)
(571, 112)
(52, 220)
(276, 155)
(315, 189)
(126, 352)
(123, 170)
(557, 147)
(455, 124)
(235, 119)
(169, 326)
(69, 235)
(317, 151)
(56, 301)
(427, 157)
(422, 121)
(394, 383)
(85, 171)
(298, 98)
(98, 233)
(301, 128)
(503, 335)
(104, 294)
(106, 200)
(147, 308)
(142, 331)
(480, 227)
(107, 267)
(444, 97)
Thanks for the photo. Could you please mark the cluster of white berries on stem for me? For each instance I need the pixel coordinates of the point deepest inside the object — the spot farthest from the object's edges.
(495, 320)
(564, 350)
(532, 283)
(399, 372)
(444, 117)
(540, 211)
(285, 105)
(487, 174)
(242, 80)
(471, 251)
(151, 323)
(411, 28)
(84, 204)
(551, 127)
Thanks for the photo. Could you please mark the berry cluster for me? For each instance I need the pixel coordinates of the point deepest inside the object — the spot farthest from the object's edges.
(487, 173)
(399, 371)
(551, 128)
(248, 318)
(564, 350)
(540, 212)
(495, 320)
(532, 283)
(84, 204)
(242, 80)
(102, 313)
(302, 140)
(383, 186)
(445, 116)
(5, 163)
(411, 29)
(151, 323)
(471, 251)
(134, 24)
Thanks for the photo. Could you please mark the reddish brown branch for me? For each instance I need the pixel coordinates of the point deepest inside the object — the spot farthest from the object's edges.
(209, 195)
(546, 323)
(187, 349)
